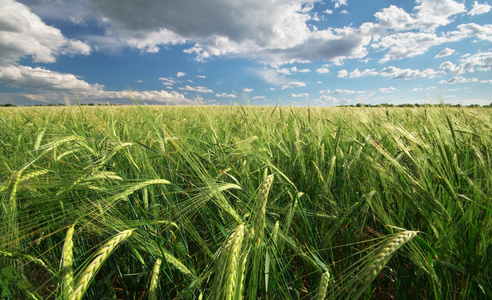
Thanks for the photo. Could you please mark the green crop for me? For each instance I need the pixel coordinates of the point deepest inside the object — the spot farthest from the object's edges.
(239, 202)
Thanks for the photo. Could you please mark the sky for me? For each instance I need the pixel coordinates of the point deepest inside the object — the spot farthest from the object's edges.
(258, 52)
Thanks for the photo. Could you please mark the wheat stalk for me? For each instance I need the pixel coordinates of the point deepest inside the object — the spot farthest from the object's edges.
(102, 254)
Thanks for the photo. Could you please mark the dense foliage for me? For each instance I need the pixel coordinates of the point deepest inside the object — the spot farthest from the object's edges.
(245, 202)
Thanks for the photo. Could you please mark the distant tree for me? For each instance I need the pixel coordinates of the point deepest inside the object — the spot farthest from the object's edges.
(359, 105)
(8, 105)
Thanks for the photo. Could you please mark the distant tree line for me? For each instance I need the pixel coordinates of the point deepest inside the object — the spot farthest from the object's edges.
(357, 105)
(61, 104)
(416, 105)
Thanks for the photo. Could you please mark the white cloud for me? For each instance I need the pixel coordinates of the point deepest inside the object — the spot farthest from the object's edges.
(248, 90)
(434, 13)
(391, 72)
(458, 79)
(161, 97)
(303, 95)
(395, 18)
(342, 74)
(445, 52)
(470, 63)
(478, 9)
(328, 11)
(224, 95)
(397, 73)
(340, 92)
(338, 3)
(180, 74)
(356, 73)
(451, 68)
(387, 90)
(198, 89)
(259, 97)
(23, 33)
(294, 84)
(201, 76)
(284, 71)
(168, 81)
(304, 71)
(326, 98)
(486, 81)
(407, 44)
(473, 30)
(44, 80)
(322, 70)
(218, 26)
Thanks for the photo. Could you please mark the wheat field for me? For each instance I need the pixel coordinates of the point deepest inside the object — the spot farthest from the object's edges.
(240, 202)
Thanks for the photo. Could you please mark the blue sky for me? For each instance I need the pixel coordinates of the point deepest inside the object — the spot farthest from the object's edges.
(332, 52)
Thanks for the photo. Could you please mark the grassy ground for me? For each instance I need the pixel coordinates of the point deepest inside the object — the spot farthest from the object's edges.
(245, 202)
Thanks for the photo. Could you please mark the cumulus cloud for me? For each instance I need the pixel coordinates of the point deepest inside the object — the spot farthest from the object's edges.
(458, 79)
(322, 70)
(273, 23)
(43, 79)
(343, 73)
(445, 52)
(479, 62)
(224, 95)
(99, 97)
(180, 74)
(294, 84)
(434, 13)
(387, 90)
(395, 18)
(338, 3)
(341, 92)
(160, 97)
(302, 95)
(167, 81)
(198, 89)
(483, 32)
(397, 73)
(478, 9)
(407, 44)
(23, 33)
(248, 90)
(391, 72)
(356, 73)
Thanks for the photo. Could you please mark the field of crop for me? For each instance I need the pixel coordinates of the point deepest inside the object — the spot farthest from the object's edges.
(245, 202)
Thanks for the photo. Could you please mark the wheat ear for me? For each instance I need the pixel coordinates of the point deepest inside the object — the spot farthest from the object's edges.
(262, 201)
(155, 280)
(384, 255)
(66, 264)
(323, 285)
(234, 262)
(102, 254)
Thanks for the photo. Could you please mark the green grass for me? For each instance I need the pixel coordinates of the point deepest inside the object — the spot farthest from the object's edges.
(245, 202)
